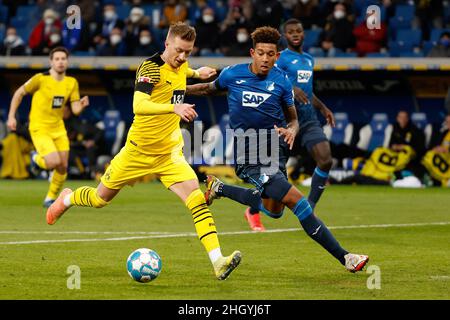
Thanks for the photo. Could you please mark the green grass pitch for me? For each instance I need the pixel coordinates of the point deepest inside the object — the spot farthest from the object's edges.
(405, 232)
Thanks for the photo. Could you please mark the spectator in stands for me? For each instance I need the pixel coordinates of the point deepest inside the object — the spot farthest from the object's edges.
(338, 32)
(308, 12)
(115, 46)
(442, 48)
(174, 11)
(46, 33)
(245, 5)
(429, 15)
(267, 13)
(406, 135)
(134, 24)
(241, 46)
(13, 44)
(146, 47)
(110, 21)
(86, 141)
(235, 19)
(207, 29)
(369, 40)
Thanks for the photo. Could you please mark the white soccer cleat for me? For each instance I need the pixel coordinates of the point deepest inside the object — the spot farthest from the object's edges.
(355, 262)
(212, 186)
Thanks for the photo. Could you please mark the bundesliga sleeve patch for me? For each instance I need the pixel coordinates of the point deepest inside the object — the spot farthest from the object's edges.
(144, 84)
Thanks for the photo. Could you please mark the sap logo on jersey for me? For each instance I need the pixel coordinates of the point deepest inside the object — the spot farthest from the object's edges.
(253, 99)
(303, 76)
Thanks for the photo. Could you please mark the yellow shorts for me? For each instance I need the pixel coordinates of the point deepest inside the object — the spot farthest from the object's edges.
(129, 165)
(47, 142)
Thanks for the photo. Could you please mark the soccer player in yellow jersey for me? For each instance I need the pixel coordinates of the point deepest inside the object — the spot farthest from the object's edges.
(51, 91)
(154, 144)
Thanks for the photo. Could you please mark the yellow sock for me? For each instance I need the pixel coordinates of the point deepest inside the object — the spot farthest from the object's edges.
(40, 161)
(203, 220)
(87, 197)
(56, 184)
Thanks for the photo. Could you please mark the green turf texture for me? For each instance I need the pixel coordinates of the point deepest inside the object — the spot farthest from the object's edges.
(413, 260)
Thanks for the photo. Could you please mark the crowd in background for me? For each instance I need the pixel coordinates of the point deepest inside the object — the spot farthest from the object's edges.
(223, 27)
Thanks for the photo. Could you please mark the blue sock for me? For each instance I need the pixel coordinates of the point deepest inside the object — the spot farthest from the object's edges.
(246, 196)
(317, 230)
(318, 183)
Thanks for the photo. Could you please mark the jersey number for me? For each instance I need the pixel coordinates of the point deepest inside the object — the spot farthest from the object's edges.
(178, 97)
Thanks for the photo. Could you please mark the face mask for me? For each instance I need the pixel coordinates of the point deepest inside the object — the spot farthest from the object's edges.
(115, 39)
(49, 20)
(305, 1)
(145, 40)
(242, 37)
(207, 18)
(11, 38)
(135, 18)
(54, 38)
(109, 15)
(339, 14)
(445, 42)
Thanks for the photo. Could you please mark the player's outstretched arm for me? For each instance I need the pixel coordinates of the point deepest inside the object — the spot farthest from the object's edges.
(203, 89)
(327, 113)
(15, 103)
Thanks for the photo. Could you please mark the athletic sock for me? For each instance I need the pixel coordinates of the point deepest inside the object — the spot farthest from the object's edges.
(204, 224)
(317, 230)
(246, 196)
(318, 182)
(85, 197)
(56, 184)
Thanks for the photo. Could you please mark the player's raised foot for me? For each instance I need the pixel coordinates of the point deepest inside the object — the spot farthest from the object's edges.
(225, 265)
(212, 186)
(355, 262)
(57, 209)
(48, 203)
(254, 220)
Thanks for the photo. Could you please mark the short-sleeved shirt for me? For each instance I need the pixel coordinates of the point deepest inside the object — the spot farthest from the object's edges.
(299, 68)
(49, 98)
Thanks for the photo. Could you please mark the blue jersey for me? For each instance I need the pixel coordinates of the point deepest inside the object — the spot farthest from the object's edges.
(299, 68)
(255, 102)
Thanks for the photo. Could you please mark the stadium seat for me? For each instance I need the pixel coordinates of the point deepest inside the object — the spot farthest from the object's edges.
(26, 11)
(342, 132)
(114, 128)
(123, 11)
(345, 54)
(411, 54)
(217, 149)
(398, 47)
(312, 38)
(404, 15)
(375, 134)
(436, 34)
(316, 52)
(421, 121)
(412, 36)
(3, 14)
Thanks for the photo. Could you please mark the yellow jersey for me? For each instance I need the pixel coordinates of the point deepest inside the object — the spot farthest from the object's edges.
(49, 98)
(158, 86)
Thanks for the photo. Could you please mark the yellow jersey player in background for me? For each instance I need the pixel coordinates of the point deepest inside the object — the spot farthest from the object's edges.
(154, 145)
(51, 91)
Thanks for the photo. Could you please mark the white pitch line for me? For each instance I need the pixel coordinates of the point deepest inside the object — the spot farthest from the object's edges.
(78, 232)
(192, 234)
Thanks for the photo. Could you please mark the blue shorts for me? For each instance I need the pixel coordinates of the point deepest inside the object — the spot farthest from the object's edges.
(310, 134)
(273, 182)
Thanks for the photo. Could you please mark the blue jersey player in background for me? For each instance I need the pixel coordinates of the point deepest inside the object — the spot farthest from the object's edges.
(299, 66)
(260, 101)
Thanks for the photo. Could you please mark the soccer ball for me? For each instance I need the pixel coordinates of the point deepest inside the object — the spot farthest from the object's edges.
(144, 265)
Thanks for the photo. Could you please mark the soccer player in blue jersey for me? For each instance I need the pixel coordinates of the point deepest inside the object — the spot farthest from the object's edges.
(263, 117)
(299, 66)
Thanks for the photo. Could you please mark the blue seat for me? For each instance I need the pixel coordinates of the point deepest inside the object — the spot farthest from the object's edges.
(412, 54)
(316, 52)
(419, 119)
(376, 133)
(312, 38)
(123, 11)
(343, 131)
(436, 34)
(346, 55)
(413, 36)
(26, 11)
(398, 47)
(114, 128)
(4, 14)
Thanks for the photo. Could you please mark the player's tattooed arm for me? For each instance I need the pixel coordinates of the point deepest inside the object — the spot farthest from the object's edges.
(292, 129)
(203, 89)
(327, 113)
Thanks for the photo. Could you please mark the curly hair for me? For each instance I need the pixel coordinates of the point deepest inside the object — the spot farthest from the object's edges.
(265, 35)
